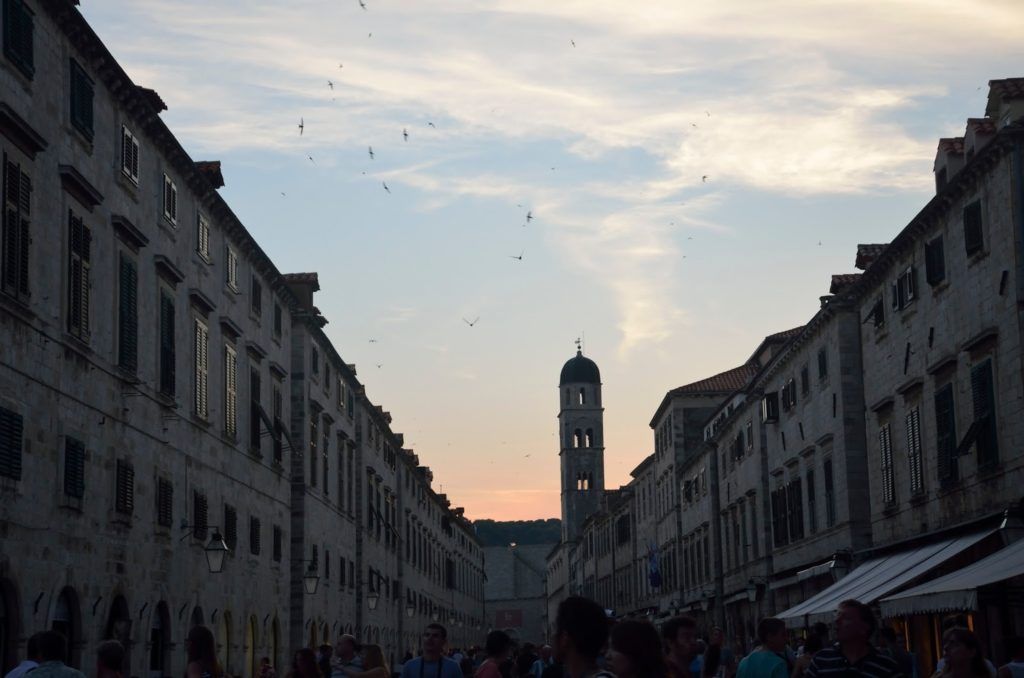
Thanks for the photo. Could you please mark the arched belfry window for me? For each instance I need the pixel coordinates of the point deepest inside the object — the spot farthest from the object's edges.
(589, 438)
(583, 396)
(578, 438)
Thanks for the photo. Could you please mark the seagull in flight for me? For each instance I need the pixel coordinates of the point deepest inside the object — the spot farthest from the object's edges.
(430, 124)
(302, 126)
(573, 43)
(529, 216)
(371, 152)
(405, 134)
(704, 179)
(331, 85)
(386, 186)
(362, 4)
(380, 365)
(471, 324)
(311, 159)
(519, 258)
(373, 341)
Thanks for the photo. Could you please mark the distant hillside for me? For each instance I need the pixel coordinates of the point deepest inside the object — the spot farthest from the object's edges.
(502, 533)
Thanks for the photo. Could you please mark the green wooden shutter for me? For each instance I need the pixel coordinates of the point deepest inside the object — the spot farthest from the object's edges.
(199, 515)
(167, 364)
(124, 500)
(230, 526)
(78, 277)
(982, 390)
(18, 36)
(945, 429)
(74, 468)
(10, 444)
(128, 316)
(81, 100)
(164, 502)
(973, 234)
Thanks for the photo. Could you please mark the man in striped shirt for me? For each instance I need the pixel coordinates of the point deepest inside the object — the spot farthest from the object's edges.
(853, 655)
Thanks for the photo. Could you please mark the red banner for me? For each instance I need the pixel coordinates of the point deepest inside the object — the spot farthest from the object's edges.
(505, 619)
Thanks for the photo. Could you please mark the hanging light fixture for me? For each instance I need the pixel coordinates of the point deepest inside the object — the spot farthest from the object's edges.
(312, 578)
(215, 552)
(410, 610)
(372, 598)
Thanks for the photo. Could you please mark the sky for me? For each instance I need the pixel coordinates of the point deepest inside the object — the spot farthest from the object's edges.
(695, 172)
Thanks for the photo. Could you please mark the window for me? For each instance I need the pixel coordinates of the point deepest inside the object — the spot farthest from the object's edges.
(770, 407)
(934, 262)
(277, 320)
(199, 515)
(203, 237)
(822, 364)
(78, 276)
(167, 386)
(124, 498)
(10, 444)
(18, 36)
(128, 316)
(904, 289)
(255, 534)
(256, 301)
(327, 377)
(17, 205)
(74, 468)
(877, 313)
(888, 472)
(974, 239)
(983, 395)
(805, 380)
(170, 200)
(945, 433)
(788, 395)
(129, 155)
(278, 539)
(812, 507)
(830, 495)
(230, 526)
(81, 100)
(313, 435)
(231, 268)
(230, 391)
(913, 421)
(324, 451)
(164, 502)
(278, 410)
(201, 369)
(315, 368)
(750, 435)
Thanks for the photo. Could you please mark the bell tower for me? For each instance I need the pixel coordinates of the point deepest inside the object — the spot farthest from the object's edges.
(581, 432)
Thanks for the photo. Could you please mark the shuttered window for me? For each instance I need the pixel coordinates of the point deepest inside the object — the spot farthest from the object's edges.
(945, 433)
(10, 444)
(124, 499)
(164, 502)
(888, 472)
(313, 437)
(79, 258)
(128, 316)
(231, 268)
(230, 526)
(81, 100)
(983, 395)
(277, 544)
(74, 468)
(255, 386)
(256, 300)
(255, 534)
(167, 359)
(934, 261)
(230, 391)
(170, 200)
(19, 31)
(203, 237)
(201, 367)
(812, 507)
(915, 463)
(278, 321)
(974, 239)
(200, 515)
(278, 405)
(129, 155)
(17, 189)
(830, 494)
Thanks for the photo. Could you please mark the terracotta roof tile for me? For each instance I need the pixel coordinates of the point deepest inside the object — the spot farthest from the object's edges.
(840, 281)
(868, 253)
(302, 278)
(951, 145)
(785, 334)
(152, 97)
(211, 170)
(723, 382)
(982, 125)
(1006, 89)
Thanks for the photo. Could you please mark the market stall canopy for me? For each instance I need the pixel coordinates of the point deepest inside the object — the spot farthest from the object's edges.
(880, 576)
(958, 590)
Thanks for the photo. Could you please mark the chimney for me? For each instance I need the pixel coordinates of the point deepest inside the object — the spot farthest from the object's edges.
(979, 132)
(210, 169)
(949, 159)
(303, 285)
(866, 254)
(1005, 101)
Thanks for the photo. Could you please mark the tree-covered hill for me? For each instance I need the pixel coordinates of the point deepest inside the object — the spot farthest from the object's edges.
(502, 533)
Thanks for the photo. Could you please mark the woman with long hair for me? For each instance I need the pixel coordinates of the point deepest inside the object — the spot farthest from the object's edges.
(498, 648)
(305, 665)
(634, 650)
(374, 664)
(962, 652)
(202, 654)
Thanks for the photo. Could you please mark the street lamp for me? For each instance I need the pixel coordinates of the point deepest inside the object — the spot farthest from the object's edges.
(410, 610)
(312, 578)
(435, 615)
(705, 601)
(372, 598)
(215, 552)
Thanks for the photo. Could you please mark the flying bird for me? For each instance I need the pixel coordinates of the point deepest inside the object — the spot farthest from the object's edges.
(362, 4)
(519, 258)
(373, 341)
(430, 124)
(371, 152)
(693, 124)
(704, 178)
(302, 126)
(573, 43)
(331, 85)
(471, 324)
(708, 113)
(386, 186)
(282, 194)
(311, 159)
(405, 134)
(380, 365)
(529, 215)
(341, 65)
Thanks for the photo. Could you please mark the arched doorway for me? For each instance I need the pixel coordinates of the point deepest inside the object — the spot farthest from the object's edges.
(197, 618)
(67, 620)
(224, 642)
(325, 634)
(119, 628)
(159, 641)
(251, 658)
(10, 625)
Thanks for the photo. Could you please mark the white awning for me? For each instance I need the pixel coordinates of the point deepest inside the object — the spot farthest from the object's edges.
(958, 590)
(880, 576)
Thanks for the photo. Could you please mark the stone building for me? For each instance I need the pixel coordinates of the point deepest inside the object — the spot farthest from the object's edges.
(514, 592)
(180, 443)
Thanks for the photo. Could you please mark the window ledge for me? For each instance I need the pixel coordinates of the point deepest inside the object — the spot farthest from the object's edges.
(973, 259)
(940, 287)
(77, 345)
(17, 306)
(202, 421)
(919, 499)
(72, 504)
(129, 186)
(167, 227)
(890, 509)
(86, 144)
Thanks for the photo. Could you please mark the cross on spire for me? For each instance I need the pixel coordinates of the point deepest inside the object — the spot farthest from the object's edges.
(579, 344)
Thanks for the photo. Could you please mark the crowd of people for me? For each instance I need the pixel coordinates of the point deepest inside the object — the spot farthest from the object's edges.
(586, 644)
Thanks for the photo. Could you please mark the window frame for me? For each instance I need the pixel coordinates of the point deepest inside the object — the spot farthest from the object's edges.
(170, 201)
(130, 151)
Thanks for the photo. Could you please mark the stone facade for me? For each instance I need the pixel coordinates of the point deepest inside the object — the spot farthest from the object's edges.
(514, 591)
(164, 387)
